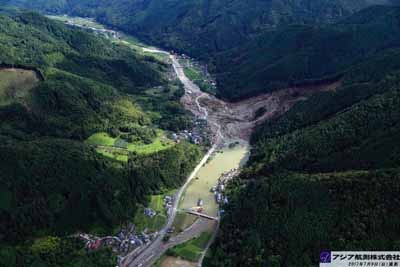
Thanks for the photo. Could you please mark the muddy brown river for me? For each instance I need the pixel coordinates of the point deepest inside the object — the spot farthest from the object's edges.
(221, 162)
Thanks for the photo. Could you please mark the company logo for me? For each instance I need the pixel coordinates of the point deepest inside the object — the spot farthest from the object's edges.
(325, 257)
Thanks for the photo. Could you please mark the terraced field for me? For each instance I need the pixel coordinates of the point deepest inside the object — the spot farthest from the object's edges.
(119, 149)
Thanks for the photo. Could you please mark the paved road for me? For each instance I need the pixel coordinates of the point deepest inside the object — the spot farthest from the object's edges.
(146, 256)
(193, 88)
(203, 215)
(200, 226)
(157, 247)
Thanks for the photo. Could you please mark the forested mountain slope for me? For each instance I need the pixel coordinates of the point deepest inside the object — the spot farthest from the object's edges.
(206, 25)
(247, 44)
(324, 176)
(58, 86)
(293, 55)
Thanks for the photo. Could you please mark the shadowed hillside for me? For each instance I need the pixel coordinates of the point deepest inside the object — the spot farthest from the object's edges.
(59, 87)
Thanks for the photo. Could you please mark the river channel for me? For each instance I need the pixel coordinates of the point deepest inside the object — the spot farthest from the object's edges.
(230, 155)
(222, 161)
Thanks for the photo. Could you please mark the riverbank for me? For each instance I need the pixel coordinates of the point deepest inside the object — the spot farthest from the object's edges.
(228, 121)
(222, 161)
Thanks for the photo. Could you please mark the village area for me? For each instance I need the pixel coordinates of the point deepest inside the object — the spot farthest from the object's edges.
(197, 135)
(128, 239)
(88, 24)
(131, 241)
(198, 204)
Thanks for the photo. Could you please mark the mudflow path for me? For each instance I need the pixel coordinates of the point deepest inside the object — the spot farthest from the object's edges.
(237, 120)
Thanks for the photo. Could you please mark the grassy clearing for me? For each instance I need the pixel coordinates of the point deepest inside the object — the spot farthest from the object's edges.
(15, 84)
(117, 154)
(183, 221)
(157, 222)
(157, 201)
(142, 221)
(101, 139)
(192, 249)
(159, 56)
(192, 74)
(119, 149)
(86, 22)
(160, 143)
(196, 76)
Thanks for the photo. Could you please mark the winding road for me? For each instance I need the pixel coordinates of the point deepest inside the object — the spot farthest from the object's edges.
(147, 256)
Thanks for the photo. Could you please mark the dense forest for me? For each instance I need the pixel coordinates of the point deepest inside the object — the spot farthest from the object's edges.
(324, 176)
(65, 85)
(232, 37)
(202, 26)
(306, 54)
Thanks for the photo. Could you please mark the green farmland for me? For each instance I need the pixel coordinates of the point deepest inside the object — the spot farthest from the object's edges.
(85, 22)
(194, 73)
(142, 221)
(157, 222)
(192, 249)
(119, 149)
(182, 221)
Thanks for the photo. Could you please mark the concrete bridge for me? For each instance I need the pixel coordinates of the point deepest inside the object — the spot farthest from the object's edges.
(201, 215)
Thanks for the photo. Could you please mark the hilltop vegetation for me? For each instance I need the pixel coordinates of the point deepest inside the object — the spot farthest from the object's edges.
(323, 176)
(293, 55)
(201, 26)
(335, 178)
(251, 46)
(53, 183)
(329, 167)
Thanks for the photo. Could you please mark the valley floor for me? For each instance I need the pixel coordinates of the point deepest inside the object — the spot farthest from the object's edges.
(232, 125)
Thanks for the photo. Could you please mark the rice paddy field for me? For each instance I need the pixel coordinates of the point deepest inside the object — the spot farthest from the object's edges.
(86, 22)
(119, 149)
(192, 249)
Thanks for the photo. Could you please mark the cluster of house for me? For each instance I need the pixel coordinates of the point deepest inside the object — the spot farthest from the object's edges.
(125, 241)
(167, 203)
(218, 190)
(190, 136)
(195, 135)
